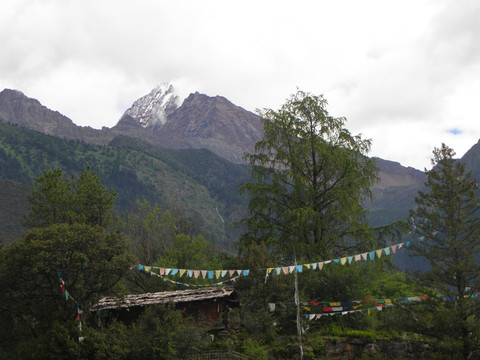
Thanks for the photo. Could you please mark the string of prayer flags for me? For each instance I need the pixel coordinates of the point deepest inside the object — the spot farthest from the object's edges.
(68, 296)
(286, 269)
(344, 307)
(192, 285)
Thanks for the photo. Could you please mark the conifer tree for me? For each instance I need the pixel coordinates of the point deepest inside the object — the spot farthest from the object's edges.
(447, 221)
(310, 176)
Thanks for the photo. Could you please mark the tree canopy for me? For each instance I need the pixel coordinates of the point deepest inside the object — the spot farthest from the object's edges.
(310, 176)
(447, 221)
(56, 199)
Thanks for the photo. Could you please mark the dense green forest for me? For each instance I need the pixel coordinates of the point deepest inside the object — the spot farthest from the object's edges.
(196, 183)
(317, 276)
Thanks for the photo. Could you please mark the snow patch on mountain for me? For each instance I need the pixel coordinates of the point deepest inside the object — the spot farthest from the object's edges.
(151, 110)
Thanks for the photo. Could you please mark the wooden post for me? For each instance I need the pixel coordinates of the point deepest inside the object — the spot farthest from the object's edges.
(297, 302)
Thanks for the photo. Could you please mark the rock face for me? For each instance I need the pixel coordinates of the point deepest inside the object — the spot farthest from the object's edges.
(393, 174)
(213, 123)
(201, 122)
(151, 110)
(18, 109)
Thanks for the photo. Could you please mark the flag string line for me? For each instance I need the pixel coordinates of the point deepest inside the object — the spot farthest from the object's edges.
(353, 306)
(222, 273)
(68, 296)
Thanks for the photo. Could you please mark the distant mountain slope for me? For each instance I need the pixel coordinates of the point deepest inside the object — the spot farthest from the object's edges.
(18, 109)
(394, 193)
(196, 183)
(216, 124)
(201, 122)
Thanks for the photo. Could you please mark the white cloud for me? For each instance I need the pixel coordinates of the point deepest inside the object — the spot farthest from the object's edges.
(403, 73)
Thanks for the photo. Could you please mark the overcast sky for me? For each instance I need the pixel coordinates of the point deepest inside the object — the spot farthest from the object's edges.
(405, 74)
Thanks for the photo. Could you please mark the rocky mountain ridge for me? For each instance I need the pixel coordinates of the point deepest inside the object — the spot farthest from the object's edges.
(16, 108)
(201, 121)
(151, 110)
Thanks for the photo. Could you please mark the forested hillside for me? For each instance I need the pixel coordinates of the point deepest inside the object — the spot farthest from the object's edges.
(195, 182)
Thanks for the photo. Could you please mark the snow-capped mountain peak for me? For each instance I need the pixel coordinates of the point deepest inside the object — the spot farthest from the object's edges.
(152, 109)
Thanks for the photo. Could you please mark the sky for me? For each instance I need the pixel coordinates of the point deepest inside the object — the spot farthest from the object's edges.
(405, 74)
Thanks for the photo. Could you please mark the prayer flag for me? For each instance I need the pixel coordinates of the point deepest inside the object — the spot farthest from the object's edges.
(343, 260)
(379, 253)
(196, 273)
(350, 258)
(320, 265)
(210, 274)
(386, 251)
(174, 272)
(394, 248)
(224, 272)
(181, 272)
(299, 268)
(218, 273)
(371, 255)
(204, 273)
(246, 272)
(189, 273)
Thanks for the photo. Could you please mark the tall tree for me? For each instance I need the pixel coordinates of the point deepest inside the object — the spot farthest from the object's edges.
(92, 200)
(310, 176)
(51, 200)
(149, 231)
(446, 217)
(85, 259)
(56, 199)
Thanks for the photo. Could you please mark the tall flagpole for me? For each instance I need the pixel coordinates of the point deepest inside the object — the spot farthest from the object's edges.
(297, 302)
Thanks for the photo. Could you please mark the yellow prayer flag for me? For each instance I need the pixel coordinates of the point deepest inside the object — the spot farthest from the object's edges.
(343, 261)
(182, 271)
(379, 253)
(217, 273)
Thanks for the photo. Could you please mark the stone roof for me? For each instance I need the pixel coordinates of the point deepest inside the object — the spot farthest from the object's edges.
(177, 296)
